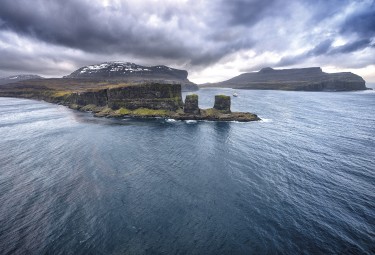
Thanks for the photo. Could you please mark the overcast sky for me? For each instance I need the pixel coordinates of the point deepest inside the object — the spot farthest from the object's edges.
(213, 40)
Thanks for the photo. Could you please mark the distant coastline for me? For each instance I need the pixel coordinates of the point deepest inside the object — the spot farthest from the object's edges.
(298, 79)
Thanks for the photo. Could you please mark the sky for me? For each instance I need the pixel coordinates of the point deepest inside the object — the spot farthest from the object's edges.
(213, 40)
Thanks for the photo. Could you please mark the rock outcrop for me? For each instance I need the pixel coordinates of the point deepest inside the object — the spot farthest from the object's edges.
(191, 104)
(220, 112)
(305, 79)
(152, 96)
(222, 103)
(138, 101)
(133, 73)
(97, 98)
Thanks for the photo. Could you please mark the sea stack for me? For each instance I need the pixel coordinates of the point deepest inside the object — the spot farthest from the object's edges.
(191, 104)
(222, 103)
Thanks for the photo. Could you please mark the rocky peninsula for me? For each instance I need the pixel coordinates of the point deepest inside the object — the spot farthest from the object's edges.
(146, 100)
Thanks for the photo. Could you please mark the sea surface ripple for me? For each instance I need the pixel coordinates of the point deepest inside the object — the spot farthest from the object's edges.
(302, 181)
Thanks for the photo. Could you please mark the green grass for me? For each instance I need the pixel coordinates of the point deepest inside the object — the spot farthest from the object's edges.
(123, 111)
(61, 93)
(89, 107)
(192, 96)
(210, 112)
(141, 112)
(222, 96)
(150, 112)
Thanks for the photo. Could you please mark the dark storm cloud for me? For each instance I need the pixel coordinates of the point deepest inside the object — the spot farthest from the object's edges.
(90, 27)
(325, 48)
(87, 26)
(193, 35)
(321, 48)
(353, 46)
(245, 12)
(361, 22)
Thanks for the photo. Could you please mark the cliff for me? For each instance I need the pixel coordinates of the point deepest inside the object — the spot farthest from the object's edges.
(305, 79)
(152, 96)
(139, 101)
(133, 73)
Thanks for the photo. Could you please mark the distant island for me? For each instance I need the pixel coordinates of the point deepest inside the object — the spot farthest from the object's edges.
(16, 78)
(301, 79)
(113, 90)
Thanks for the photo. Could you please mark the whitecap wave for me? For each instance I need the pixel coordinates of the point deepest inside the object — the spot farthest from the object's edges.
(191, 121)
(266, 120)
(369, 91)
(170, 120)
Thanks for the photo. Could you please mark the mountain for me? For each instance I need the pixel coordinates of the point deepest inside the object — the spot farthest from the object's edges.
(307, 79)
(130, 72)
(20, 77)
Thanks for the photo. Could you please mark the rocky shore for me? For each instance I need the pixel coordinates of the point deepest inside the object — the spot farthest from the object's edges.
(190, 111)
(147, 100)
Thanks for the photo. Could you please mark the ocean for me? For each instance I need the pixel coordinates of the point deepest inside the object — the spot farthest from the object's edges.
(301, 181)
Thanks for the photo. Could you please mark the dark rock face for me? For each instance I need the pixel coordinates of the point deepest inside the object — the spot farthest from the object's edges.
(138, 101)
(98, 98)
(191, 104)
(307, 79)
(222, 103)
(150, 96)
(130, 72)
(20, 77)
(220, 112)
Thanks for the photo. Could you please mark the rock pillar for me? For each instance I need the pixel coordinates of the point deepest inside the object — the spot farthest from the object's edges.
(191, 104)
(222, 103)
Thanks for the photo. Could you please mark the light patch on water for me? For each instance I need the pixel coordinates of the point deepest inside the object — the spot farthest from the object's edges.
(191, 121)
(265, 120)
(171, 120)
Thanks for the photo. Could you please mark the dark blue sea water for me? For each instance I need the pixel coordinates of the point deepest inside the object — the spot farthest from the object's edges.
(300, 182)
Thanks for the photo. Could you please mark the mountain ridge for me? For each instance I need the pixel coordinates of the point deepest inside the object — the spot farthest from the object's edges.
(131, 72)
(304, 79)
(18, 77)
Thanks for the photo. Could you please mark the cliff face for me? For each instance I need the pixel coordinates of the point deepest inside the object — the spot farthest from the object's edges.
(139, 101)
(98, 98)
(150, 96)
(309, 79)
(130, 72)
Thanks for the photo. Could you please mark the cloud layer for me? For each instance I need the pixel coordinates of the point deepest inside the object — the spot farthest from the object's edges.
(55, 37)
